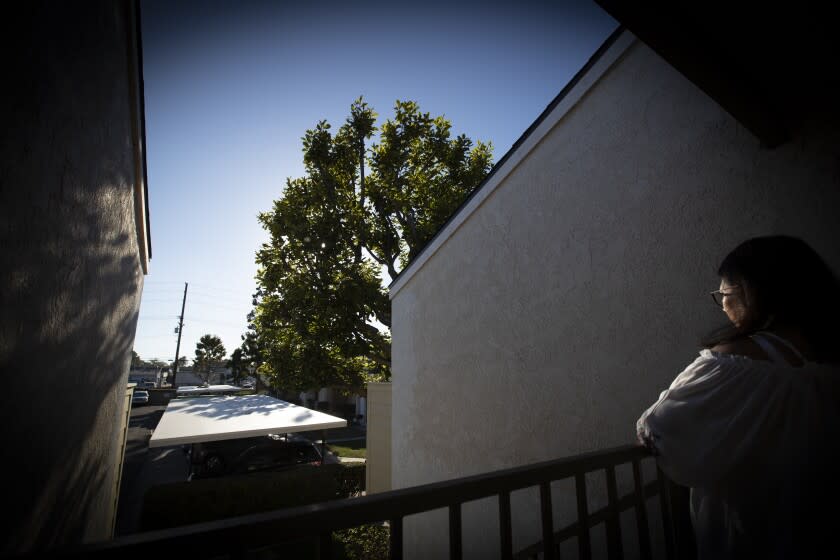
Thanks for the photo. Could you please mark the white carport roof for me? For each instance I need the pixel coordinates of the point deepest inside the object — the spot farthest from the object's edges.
(196, 390)
(200, 419)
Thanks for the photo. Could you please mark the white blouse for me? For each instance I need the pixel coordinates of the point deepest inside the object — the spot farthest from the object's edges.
(758, 442)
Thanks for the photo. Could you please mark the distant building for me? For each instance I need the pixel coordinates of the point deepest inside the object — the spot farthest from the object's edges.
(188, 376)
(140, 375)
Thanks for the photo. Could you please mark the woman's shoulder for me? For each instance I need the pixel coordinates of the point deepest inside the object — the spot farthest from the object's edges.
(745, 347)
(745, 354)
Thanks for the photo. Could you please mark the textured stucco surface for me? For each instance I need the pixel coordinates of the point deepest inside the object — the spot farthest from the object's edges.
(70, 273)
(378, 463)
(562, 307)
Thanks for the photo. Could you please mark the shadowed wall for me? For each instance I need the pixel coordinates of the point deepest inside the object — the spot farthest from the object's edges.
(71, 266)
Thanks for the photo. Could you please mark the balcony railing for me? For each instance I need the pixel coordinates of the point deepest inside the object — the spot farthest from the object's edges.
(237, 536)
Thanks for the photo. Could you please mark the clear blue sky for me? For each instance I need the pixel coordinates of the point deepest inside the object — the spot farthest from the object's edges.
(231, 87)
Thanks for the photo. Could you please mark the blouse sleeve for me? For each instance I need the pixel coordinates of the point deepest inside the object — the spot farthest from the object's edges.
(709, 419)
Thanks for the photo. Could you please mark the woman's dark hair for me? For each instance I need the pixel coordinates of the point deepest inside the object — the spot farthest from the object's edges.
(791, 284)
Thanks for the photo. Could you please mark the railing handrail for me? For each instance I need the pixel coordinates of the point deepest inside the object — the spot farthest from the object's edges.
(263, 529)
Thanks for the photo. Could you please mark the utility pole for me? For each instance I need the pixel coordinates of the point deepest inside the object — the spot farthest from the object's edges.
(180, 330)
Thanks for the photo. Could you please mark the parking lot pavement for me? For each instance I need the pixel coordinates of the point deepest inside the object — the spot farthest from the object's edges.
(144, 467)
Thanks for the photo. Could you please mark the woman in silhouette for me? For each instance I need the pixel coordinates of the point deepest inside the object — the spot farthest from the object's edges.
(752, 426)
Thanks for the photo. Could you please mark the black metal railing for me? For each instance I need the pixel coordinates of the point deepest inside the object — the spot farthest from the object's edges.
(235, 536)
(677, 534)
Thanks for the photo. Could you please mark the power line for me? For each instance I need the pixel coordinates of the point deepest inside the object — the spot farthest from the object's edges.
(201, 286)
(148, 336)
(231, 296)
(218, 288)
(224, 298)
(214, 322)
(217, 306)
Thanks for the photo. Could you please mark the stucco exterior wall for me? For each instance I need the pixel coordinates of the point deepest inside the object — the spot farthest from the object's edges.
(578, 290)
(378, 461)
(71, 267)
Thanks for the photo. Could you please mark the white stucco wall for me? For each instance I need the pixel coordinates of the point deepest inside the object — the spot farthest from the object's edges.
(579, 288)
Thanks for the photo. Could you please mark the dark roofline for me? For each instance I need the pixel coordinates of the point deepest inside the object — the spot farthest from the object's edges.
(708, 58)
(142, 103)
(551, 106)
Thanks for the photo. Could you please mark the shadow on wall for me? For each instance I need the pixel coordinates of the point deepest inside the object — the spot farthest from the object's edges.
(70, 314)
(70, 277)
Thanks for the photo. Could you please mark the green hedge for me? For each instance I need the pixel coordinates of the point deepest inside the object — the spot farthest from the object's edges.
(366, 542)
(351, 480)
(183, 503)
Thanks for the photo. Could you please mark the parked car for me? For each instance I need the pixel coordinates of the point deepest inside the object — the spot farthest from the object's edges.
(273, 452)
(140, 397)
(149, 384)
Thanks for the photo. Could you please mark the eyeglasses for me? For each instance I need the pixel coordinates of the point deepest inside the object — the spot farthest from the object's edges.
(718, 295)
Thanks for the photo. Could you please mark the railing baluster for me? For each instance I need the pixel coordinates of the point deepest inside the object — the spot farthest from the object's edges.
(396, 529)
(547, 521)
(311, 521)
(455, 532)
(505, 537)
(615, 549)
(325, 545)
(584, 546)
(665, 508)
(678, 509)
(641, 512)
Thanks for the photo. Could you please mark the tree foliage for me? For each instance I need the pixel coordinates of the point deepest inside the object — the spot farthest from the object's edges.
(356, 212)
(138, 362)
(252, 353)
(182, 363)
(209, 353)
(237, 365)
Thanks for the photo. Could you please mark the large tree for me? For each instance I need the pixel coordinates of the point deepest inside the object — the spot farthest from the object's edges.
(322, 316)
(209, 353)
(252, 353)
(237, 365)
(136, 360)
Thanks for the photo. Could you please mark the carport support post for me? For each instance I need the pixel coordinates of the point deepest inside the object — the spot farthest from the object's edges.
(323, 447)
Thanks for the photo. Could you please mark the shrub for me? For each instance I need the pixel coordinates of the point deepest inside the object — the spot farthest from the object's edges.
(351, 480)
(367, 542)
